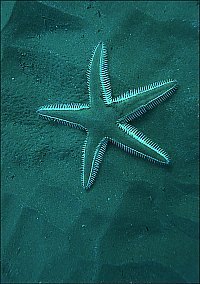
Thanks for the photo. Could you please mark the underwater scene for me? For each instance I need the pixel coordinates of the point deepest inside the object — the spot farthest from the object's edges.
(100, 141)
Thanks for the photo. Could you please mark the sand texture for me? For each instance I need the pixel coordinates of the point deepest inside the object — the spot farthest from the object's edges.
(139, 222)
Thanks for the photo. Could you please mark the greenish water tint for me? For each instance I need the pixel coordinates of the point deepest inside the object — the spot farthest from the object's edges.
(140, 221)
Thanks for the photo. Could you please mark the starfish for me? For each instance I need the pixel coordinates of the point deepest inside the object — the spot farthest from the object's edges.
(106, 118)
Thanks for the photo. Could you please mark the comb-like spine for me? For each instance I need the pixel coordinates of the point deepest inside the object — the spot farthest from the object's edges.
(104, 77)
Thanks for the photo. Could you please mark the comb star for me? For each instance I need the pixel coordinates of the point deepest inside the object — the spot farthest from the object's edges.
(107, 119)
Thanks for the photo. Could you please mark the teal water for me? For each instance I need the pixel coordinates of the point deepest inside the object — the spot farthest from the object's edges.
(139, 222)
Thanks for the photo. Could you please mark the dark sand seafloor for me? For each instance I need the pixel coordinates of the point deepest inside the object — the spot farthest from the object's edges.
(139, 222)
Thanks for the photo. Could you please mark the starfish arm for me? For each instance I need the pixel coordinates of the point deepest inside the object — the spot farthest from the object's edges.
(144, 98)
(98, 79)
(104, 77)
(92, 155)
(68, 114)
(135, 142)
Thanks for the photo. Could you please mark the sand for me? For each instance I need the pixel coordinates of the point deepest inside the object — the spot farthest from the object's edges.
(139, 222)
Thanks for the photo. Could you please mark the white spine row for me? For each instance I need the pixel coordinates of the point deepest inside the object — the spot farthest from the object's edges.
(89, 71)
(150, 105)
(104, 78)
(97, 159)
(138, 154)
(62, 121)
(70, 106)
(141, 90)
(135, 133)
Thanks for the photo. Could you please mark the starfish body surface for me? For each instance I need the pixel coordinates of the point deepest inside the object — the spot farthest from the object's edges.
(106, 118)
